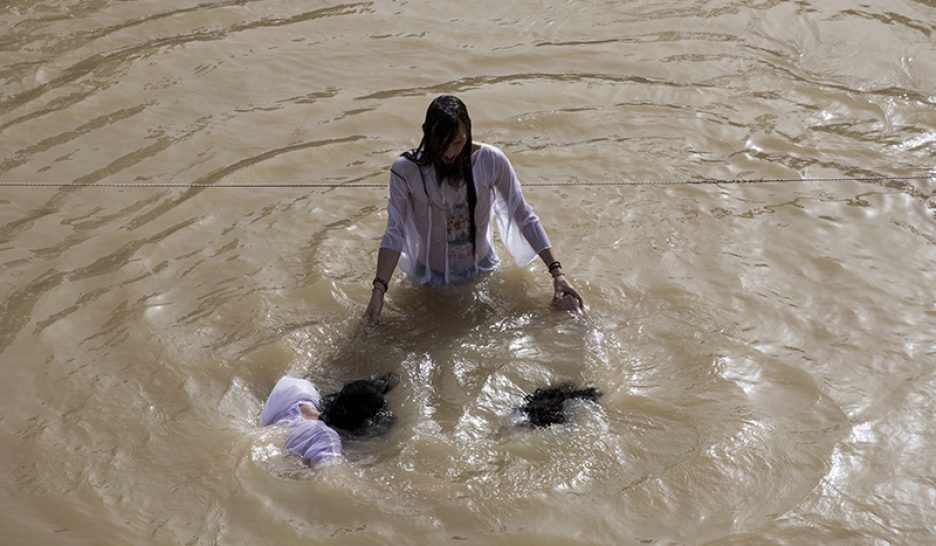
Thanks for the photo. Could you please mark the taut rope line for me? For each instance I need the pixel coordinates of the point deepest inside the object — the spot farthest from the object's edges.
(544, 184)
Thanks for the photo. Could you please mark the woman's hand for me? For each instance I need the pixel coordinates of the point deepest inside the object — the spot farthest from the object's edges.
(372, 313)
(386, 262)
(565, 297)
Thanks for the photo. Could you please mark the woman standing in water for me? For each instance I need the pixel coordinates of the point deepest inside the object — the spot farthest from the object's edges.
(443, 196)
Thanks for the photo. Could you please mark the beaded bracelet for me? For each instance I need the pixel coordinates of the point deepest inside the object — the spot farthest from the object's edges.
(382, 283)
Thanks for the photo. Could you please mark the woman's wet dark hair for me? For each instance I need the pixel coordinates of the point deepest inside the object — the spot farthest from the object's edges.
(359, 408)
(546, 407)
(443, 117)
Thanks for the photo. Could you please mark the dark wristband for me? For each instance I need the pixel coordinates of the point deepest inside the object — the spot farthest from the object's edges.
(378, 280)
(555, 265)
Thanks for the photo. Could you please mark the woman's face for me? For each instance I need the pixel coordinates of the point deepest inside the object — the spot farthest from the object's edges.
(455, 147)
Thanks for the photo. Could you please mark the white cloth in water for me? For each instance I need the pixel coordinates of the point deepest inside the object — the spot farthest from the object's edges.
(418, 216)
(310, 439)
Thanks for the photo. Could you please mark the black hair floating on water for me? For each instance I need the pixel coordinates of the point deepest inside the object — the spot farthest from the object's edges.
(546, 406)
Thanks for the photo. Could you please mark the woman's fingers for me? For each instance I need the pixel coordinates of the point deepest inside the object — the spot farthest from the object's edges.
(566, 301)
(372, 313)
(564, 291)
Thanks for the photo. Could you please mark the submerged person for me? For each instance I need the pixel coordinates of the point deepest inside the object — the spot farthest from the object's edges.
(547, 406)
(442, 198)
(315, 423)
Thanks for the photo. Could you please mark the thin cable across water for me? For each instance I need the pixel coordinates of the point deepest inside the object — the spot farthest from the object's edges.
(568, 183)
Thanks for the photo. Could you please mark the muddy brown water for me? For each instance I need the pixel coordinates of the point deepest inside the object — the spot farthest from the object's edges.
(766, 351)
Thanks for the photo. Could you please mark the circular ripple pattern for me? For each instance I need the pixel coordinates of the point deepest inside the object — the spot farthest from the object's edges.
(764, 348)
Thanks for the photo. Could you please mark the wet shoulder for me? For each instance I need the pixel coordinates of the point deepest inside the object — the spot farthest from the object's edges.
(488, 151)
(404, 168)
(491, 159)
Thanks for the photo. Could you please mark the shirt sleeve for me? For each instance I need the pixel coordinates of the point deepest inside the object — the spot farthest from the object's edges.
(313, 440)
(520, 228)
(398, 205)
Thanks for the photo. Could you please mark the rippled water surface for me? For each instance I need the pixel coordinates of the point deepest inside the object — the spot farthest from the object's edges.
(766, 351)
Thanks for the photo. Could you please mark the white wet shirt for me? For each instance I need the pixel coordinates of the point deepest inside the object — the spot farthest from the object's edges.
(424, 223)
(310, 439)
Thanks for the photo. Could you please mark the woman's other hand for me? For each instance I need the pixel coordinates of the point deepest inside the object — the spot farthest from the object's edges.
(372, 314)
(565, 297)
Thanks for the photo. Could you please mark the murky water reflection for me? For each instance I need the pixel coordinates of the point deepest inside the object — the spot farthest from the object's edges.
(765, 350)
